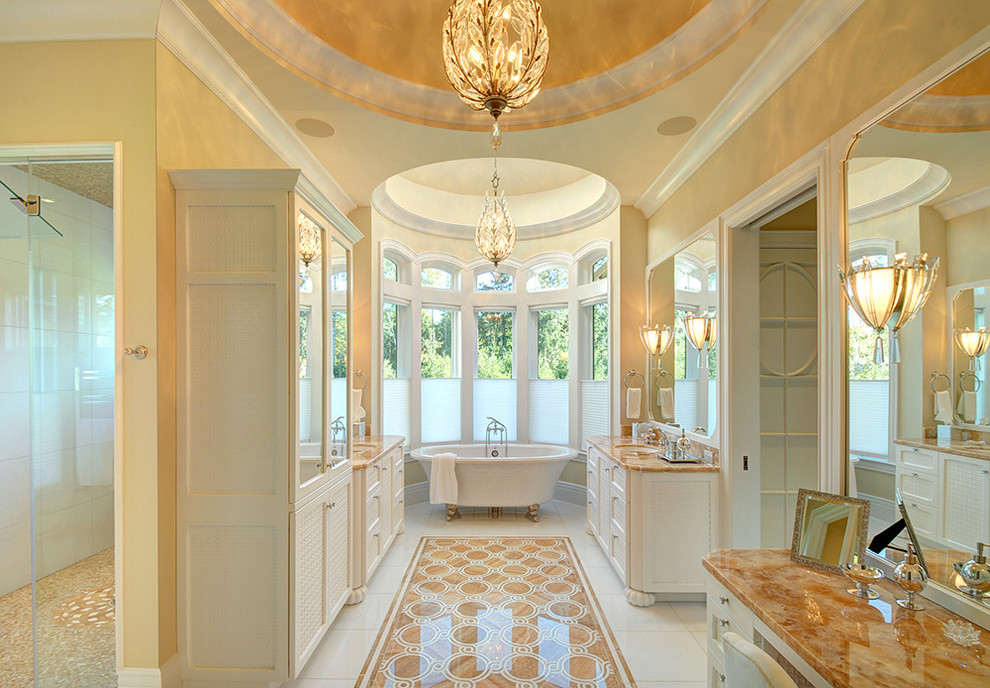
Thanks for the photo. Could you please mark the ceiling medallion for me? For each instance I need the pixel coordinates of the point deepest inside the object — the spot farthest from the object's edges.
(495, 54)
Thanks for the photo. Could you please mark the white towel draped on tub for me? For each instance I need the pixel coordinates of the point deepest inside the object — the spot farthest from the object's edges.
(665, 400)
(943, 407)
(443, 481)
(634, 399)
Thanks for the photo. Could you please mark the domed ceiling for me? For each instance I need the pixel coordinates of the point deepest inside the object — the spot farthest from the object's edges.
(386, 54)
(958, 103)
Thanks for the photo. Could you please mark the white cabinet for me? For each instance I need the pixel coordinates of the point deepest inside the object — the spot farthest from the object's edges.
(379, 507)
(654, 526)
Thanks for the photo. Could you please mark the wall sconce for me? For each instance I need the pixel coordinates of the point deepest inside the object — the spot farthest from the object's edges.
(973, 344)
(878, 294)
(701, 331)
(656, 339)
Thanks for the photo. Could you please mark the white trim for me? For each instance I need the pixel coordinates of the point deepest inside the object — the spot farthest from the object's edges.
(965, 204)
(168, 676)
(806, 30)
(950, 114)
(572, 493)
(926, 187)
(182, 33)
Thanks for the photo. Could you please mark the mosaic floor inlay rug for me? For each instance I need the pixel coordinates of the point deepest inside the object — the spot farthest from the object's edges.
(475, 612)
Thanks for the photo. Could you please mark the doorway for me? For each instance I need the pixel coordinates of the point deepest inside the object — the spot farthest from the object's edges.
(57, 393)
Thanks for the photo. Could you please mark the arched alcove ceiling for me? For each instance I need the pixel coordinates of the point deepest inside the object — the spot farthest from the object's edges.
(386, 55)
(544, 198)
(880, 186)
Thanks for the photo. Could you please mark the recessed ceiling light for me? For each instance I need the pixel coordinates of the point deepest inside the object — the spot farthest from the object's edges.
(676, 125)
(314, 127)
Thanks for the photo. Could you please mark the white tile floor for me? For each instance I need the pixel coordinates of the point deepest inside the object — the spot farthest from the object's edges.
(664, 645)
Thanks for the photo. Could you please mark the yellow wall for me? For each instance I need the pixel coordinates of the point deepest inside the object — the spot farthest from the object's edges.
(968, 248)
(363, 304)
(630, 297)
(882, 46)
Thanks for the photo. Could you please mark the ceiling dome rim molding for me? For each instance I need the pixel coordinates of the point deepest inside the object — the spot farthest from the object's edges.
(701, 38)
(597, 211)
(928, 113)
(924, 188)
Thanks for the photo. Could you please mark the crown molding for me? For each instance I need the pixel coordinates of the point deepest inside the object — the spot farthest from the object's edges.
(191, 43)
(807, 29)
(33, 21)
(603, 206)
(965, 204)
(924, 188)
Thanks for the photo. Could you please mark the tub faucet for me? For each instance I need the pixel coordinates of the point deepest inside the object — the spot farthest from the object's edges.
(498, 432)
(338, 439)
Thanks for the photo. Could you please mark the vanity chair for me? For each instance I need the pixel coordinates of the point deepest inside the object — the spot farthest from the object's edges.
(747, 666)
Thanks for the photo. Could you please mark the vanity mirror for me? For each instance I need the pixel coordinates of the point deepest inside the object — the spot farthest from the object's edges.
(312, 368)
(829, 530)
(918, 181)
(683, 293)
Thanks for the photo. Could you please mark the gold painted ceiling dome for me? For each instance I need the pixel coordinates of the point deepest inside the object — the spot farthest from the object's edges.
(386, 55)
(959, 103)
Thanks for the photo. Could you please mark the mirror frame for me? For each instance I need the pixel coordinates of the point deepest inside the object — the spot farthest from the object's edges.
(712, 229)
(863, 527)
(953, 352)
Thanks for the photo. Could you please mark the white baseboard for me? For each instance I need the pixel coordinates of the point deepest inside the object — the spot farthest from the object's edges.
(565, 492)
(168, 676)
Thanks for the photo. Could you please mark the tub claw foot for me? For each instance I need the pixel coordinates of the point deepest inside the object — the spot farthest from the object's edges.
(534, 513)
(452, 512)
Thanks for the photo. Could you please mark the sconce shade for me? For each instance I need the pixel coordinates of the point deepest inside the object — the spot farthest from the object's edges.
(696, 329)
(972, 343)
(310, 241)
(650, 336)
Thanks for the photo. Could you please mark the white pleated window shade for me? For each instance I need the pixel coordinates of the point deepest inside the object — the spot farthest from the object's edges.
(869, 418)
(549, 417)
(712, 407)
(338, 398)
(495, 398)
(686, 403)
(441, 410)
(594, 409)
(305, 409)
(395, 407)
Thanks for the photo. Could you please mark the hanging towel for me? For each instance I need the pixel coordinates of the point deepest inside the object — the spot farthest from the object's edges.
(634, 399)
(356, 404)
(943, 407)
(665, 400)
(967, 406)
(443, 480)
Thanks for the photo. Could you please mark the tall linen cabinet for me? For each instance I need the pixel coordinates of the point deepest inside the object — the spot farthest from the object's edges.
(263, 494)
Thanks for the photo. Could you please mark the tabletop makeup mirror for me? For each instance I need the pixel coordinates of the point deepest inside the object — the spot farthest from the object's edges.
(918, 182)
(829, 530)
(683, 295)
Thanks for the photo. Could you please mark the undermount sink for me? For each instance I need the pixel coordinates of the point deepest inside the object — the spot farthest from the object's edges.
(650, 447)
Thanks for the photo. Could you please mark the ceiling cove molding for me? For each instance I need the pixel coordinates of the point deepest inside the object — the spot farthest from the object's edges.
(965, 204)
(188, 40)
(273, 30)
(806, 30)
(28, 21)
(924, 188)
(603, 206)
(942, 114)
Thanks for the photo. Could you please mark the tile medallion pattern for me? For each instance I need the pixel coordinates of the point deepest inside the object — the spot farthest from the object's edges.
(483, 611)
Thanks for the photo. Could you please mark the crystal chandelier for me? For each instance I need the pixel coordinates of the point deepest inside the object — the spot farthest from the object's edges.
(889, 295)
(701, 331)
(973, 344)
(310, 241)
(495, 235)
(495, 54)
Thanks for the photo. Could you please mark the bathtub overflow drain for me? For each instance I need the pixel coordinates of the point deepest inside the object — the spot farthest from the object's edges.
(494, 453)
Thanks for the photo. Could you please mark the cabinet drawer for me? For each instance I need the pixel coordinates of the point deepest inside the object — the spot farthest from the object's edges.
(617, 512)
(372, 548)
(373, 476)
(923, 516)
(373, 509)
(594, 458)
(618, 476)
(716, 672)
(618, 551)
(915, 459)
(726, 604)
(718, 623)
(916, 485)
(397, 458)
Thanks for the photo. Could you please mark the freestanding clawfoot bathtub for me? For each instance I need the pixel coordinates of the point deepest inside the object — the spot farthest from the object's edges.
(525, 477)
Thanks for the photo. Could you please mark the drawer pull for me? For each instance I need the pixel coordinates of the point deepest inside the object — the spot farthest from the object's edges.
(723, 599)
(723, 622)
(915, 475)
(721, 678)
(330, 505)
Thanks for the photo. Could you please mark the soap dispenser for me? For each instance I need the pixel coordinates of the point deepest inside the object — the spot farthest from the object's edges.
(910, 576)
(975, 572)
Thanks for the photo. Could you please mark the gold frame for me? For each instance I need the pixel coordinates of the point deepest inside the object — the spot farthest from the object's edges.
(803, 495)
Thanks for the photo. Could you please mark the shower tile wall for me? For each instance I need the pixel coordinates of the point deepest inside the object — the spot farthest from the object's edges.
(71, 392)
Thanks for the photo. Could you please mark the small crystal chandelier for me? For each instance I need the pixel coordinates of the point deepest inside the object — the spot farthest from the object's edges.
(701, 331)
(495, 53)
(495, 235)
(310, 241)
(973, 344)
(893, 294)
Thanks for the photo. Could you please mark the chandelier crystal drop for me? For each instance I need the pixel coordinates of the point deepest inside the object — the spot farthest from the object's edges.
(495, 235)
(495, 54)
(891, 295)
(310, 241)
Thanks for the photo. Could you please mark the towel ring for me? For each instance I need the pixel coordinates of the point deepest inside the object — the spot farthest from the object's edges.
(358, 373)
(976, 381)
(631, 373)
(935, 376)
(660, 374)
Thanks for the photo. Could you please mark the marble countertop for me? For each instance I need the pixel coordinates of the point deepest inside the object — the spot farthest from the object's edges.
(852, 643)
(366, 451)
(974, 450)
(634, 459)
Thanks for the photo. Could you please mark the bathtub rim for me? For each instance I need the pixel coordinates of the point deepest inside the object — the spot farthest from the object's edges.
(564, 453)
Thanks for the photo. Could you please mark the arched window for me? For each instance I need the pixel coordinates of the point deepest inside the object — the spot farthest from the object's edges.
(547, 277)
(494, 281)
(437, 278)
(390, 270)
(687, 276)
(599, 269)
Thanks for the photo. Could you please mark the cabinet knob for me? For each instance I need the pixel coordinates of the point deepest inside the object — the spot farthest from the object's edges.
(723, 599)
(723, 622)
(914, 505)
(721, 678)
